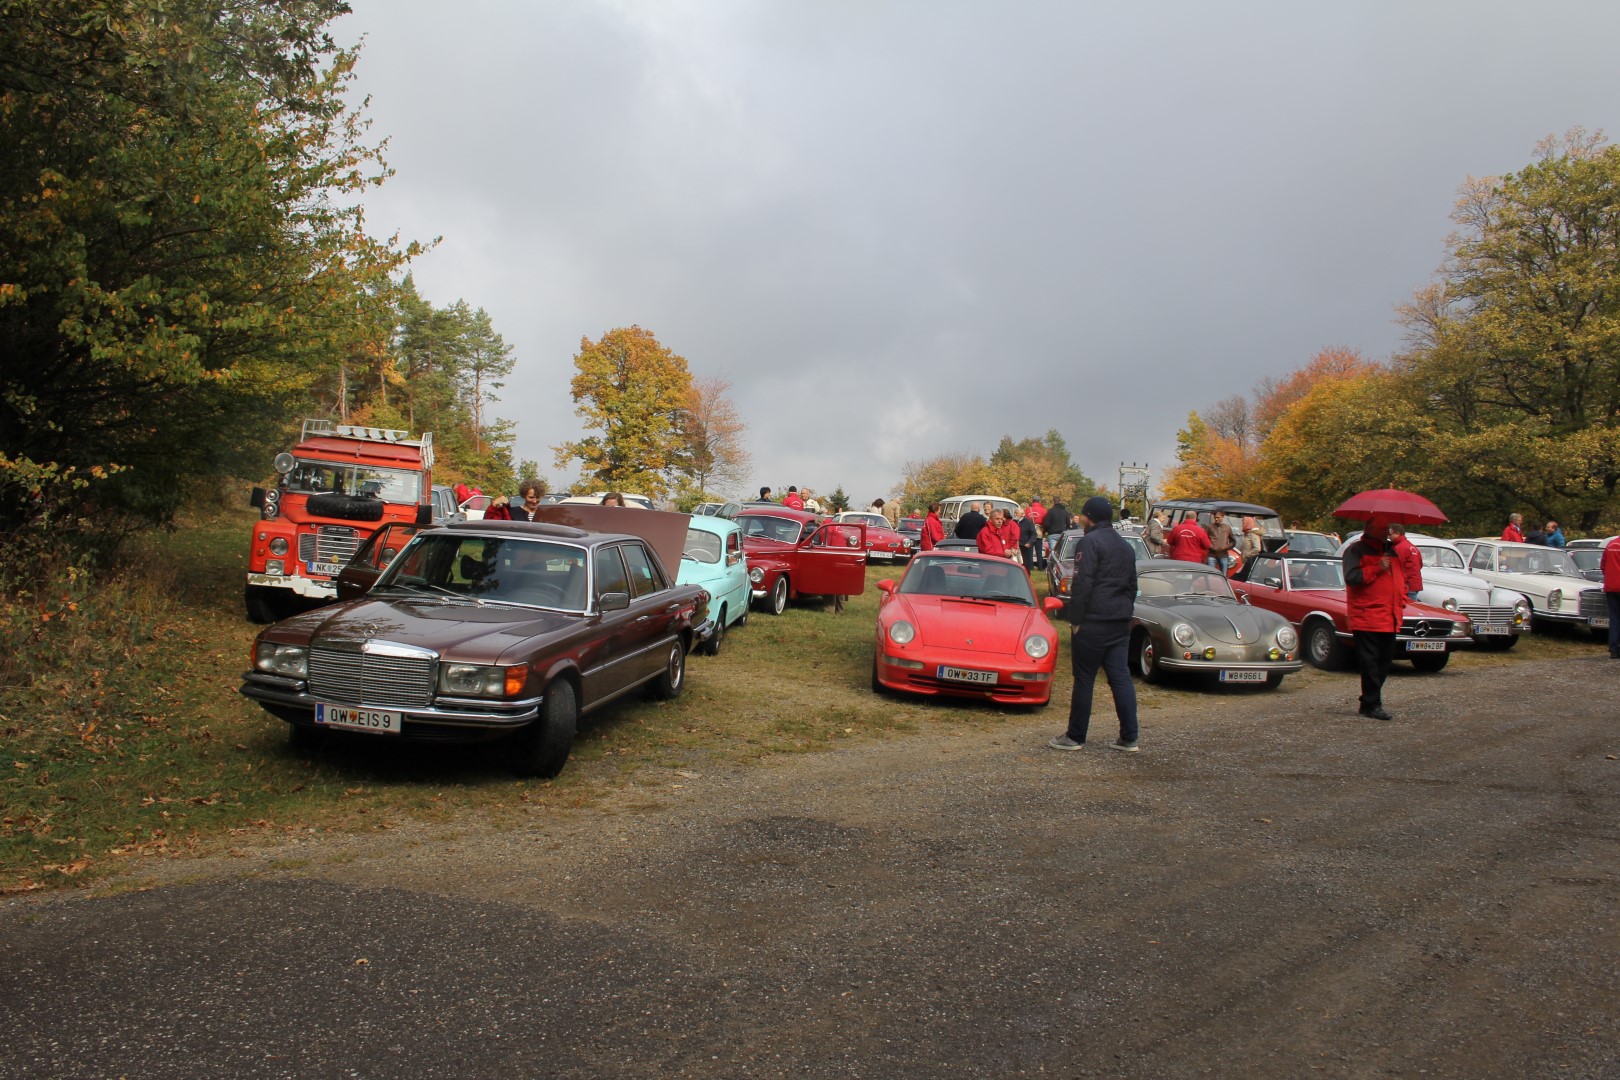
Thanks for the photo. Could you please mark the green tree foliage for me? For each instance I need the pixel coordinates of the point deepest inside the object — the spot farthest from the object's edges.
(1025, 469)
(181, 249)
(634, 393)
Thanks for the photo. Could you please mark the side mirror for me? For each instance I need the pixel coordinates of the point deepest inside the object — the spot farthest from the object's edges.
(424, 514)
(1051, 603)
(256, 498)
(886, 586)
(1243, 597)
(613, 601)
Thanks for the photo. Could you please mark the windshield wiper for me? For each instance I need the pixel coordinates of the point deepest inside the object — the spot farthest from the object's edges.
(1004, 597)
(440, 591)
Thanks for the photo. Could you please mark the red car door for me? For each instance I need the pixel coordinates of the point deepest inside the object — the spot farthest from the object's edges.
(832, 561)
(373, 558)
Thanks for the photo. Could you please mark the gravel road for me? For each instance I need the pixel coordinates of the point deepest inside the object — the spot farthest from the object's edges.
(1273, 887)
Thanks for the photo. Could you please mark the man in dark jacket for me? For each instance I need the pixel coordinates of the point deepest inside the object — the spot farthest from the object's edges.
(1375, 593)
(1054, 523)
(970, 524)
(1102, 600)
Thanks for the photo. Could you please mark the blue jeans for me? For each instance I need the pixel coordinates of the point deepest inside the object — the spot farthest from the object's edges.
(1101, 645)
(1219, 562)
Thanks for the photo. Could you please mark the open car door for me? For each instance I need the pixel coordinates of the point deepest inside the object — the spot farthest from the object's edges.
(832, 561)
(373, 557)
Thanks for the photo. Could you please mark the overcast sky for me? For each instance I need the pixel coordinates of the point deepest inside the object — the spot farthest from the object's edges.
(908, 229)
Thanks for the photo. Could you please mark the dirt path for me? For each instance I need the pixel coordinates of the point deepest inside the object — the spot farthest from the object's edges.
(1273, 887)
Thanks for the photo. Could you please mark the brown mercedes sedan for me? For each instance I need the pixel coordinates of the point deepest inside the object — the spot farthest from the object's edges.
(487, 629)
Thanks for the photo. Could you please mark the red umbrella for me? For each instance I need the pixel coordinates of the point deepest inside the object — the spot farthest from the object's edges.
(1391, 504)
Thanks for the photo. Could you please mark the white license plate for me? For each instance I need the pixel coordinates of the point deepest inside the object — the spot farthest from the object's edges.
(1486, 631)
(330, 569)
(1425, 646)
(343, 716)
(1243, 676)
(1600, 624)
(956, 674)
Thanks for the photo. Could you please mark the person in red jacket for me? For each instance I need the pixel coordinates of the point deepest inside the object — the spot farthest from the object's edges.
(1611, 593)
(1187, 541)
(1411, 560)
(933, 530)
(531, 490)
(1375, 592)
(1514, 531)
(992, 539)
(793, 500)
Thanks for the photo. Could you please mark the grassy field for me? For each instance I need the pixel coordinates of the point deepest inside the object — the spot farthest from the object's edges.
(123, 737)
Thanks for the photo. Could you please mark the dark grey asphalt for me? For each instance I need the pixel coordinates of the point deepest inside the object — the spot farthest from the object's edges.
(1274, 887)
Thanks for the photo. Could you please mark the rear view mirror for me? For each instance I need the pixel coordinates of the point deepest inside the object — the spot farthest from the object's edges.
(613, 601)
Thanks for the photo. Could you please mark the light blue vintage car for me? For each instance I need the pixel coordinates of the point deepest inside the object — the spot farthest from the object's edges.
(713, 558)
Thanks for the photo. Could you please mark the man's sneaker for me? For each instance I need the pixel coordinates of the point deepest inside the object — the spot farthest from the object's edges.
(1063, 742)
(1128, 747)
(1377, 712)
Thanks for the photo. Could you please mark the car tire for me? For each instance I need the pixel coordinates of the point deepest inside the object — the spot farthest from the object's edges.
(779, 595)
(263, 606)
(712, 646)
(1497, 643)
(542, 748)
(1430, 661)
(877, 684)
(1322, 646)
(1147, 660)
(672, 680)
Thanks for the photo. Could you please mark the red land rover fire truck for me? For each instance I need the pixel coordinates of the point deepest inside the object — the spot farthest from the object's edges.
(338, 485)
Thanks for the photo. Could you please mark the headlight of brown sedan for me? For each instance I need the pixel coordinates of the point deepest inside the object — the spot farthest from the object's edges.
(476, 680)
(278, 659)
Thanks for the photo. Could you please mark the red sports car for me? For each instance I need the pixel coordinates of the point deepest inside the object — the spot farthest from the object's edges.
(1308, 591)
(967, 625)
(884, 543)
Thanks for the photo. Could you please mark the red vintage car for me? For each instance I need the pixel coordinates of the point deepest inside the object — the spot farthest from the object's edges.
(884, 543)
(966, 625)
(793, 553)
(1308, 590)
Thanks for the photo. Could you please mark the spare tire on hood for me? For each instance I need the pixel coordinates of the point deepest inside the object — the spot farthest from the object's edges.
(347, 507)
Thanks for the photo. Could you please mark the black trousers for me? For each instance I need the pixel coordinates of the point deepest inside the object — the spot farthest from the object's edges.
(1374, 653)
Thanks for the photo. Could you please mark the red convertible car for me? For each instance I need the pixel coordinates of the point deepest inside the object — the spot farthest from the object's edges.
(967, 625)
(1308, 591)
(793, 553)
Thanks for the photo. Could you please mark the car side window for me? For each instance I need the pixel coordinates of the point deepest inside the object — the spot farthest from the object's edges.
(1267, 572)
(733, 548)
(1481, 559)
(644, 577)
(610, 575)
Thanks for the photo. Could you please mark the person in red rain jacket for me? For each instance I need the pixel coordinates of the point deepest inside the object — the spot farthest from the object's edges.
(1411, 560)
(1187, 541)
(793, 500)
(933, 530)
(1012, 537)
(1375, 592)
(1611, 593)
(992, 539)
(1514, 531)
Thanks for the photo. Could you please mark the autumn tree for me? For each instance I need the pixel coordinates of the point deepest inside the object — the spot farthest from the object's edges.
(181, 246)
(1517, 349)
(714, 456)
(633, 392)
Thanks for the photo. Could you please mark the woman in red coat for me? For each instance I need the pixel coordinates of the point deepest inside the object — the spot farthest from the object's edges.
(1375, 593)
(933, 530)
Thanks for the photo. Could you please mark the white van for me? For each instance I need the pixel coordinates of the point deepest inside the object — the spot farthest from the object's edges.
(951, 509)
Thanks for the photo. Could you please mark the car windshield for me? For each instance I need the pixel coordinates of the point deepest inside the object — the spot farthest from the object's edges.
(870, 520)
(769, 527)
(1139, 546)
(702, 546)
(336, 478)
(974, 579)
(1440, 556)
(1309, 543)
(1067, 546)
(1517, 560)
(482, 568)
(914, 524)
(1316, 574)
(1586, 558)
(1183, 583)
